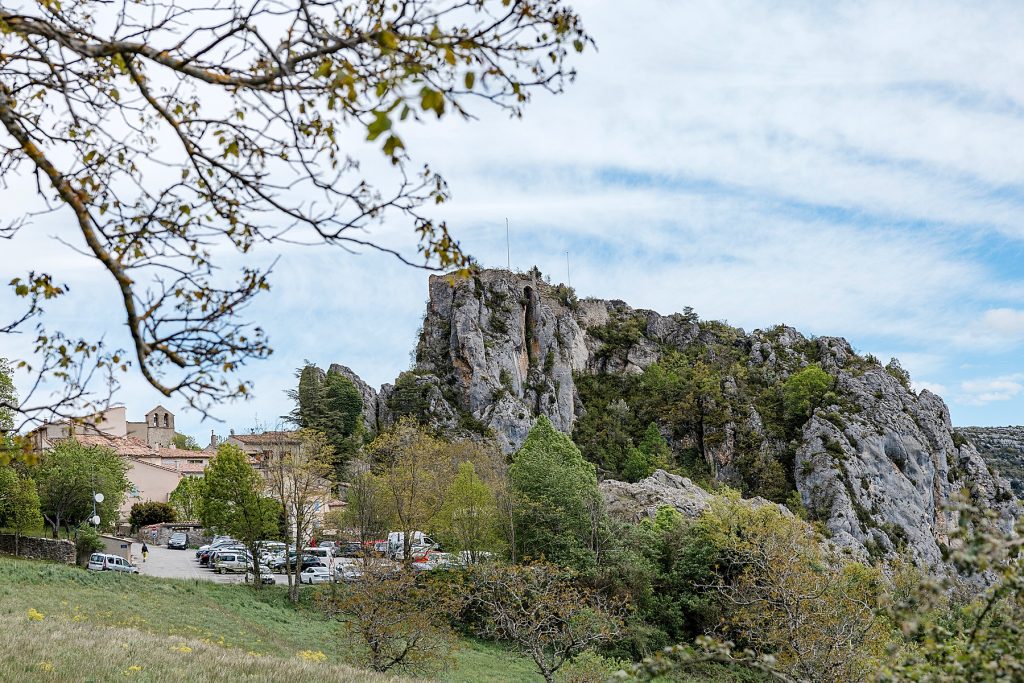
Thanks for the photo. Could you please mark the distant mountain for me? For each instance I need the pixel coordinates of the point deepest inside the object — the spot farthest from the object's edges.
(874, 461)
(1003, 450)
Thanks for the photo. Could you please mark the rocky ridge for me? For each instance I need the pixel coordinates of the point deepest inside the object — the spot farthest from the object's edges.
(876, 467)
(1003, 449)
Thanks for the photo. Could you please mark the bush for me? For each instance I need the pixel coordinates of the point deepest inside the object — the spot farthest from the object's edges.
(87, 542)
(153, 512)
(804, 391)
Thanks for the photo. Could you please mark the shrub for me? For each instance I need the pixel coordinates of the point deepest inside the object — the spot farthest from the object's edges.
(87, 542)
(152, 512)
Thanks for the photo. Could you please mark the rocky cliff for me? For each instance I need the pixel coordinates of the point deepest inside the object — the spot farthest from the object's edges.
(1003, 449)
(874, 461)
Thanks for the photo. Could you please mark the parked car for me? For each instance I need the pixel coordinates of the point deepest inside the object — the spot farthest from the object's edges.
(265, 575)
(325, 554)
(315, 575)
(178, 540)
(349, 549)
(307, 561)
(421, 543)
(101, 562)
(348, 572)
(327, 544)
(230, 561)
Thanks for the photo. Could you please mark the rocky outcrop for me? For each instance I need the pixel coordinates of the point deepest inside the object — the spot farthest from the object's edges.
(635, 502)
(1003, 449)
(876, 465)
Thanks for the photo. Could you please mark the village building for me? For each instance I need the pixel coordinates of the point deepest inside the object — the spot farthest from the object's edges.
(155, 466)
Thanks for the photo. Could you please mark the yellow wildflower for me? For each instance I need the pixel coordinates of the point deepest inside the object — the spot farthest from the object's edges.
(182, 648)
(35, 615)
(45, 666)
(133, 669)
(313, 655)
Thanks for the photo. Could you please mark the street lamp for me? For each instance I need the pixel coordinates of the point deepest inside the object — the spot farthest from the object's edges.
(96, 498)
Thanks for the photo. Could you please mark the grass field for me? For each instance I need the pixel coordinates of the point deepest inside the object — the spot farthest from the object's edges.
(66, 624)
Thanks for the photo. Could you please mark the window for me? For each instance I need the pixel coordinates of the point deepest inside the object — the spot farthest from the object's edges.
(167, 422)
(156, 420)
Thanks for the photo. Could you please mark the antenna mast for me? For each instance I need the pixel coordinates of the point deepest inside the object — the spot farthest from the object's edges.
(508, 248)
(568, 278)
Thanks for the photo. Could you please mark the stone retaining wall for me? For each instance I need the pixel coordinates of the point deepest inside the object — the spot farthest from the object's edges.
(196, 535)
(39, 548)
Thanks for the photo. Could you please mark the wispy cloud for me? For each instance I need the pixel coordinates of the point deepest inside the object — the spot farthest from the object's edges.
(851, 169)
(984, 391)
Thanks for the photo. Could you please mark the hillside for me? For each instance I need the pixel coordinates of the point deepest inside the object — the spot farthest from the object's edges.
(867, 456)
(1003, 449)
(97, 626)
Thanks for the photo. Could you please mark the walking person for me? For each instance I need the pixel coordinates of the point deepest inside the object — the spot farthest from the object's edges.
(145, 551)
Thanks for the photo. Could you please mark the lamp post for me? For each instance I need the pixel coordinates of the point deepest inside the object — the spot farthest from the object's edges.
(96, 498)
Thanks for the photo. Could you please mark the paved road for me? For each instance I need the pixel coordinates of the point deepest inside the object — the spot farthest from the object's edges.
(180, 564)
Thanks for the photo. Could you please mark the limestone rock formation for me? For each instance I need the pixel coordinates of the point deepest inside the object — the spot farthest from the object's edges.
(876, 466)
(1003, 449)
(635, 502)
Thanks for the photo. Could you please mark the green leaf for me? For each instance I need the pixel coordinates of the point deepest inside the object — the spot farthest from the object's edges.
(380, 124)
(470, 80)
(392, 144)
(324, 70)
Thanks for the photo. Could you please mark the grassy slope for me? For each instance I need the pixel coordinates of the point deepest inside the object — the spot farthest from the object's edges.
(97, 625)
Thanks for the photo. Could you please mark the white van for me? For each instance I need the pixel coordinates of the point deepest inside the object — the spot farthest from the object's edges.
(101, 562)
(421, 543)
(231, 561)
(326, 555)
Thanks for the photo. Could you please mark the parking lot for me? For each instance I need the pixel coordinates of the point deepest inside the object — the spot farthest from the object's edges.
(181, 564)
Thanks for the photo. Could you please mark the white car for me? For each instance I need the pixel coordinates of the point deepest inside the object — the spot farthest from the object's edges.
(315, 575)
(348, 571)
(101, 562)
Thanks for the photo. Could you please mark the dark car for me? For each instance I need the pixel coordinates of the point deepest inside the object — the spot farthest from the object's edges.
(178, 541)
(350, 549)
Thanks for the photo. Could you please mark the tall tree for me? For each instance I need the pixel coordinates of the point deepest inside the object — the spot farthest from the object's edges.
(187, 498)
(556, 498)
(234, 502)
(167, 133)
(468, 521)
(341, 418)
(416, 470)
(69, 475)
(308, 397)
(21, 510)
(367, 509)
(298, 480)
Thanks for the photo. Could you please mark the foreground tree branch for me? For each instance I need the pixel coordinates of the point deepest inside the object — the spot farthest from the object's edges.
(182, 137)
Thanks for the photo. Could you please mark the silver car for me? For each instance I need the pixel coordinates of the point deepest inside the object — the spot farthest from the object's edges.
(101, 562)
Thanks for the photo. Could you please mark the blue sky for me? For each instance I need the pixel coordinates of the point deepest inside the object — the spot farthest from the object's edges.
(854, 171)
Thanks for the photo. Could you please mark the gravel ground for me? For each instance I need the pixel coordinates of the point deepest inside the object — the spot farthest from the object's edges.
(179, 564)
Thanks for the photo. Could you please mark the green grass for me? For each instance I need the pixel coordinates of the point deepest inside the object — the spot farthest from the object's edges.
(251, 629)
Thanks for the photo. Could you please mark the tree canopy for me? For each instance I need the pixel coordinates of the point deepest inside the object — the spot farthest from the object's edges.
(69, 475)
(557, 502)
(233, 499)
(169, 133)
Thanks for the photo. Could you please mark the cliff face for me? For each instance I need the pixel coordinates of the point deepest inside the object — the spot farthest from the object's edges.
(1003, 449)
(876, 465)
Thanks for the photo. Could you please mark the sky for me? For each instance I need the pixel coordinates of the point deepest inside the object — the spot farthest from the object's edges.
(855, 170)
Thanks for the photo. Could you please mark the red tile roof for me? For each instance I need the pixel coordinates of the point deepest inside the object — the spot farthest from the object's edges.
(127, 446)
(183, 453)
(267, 438)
